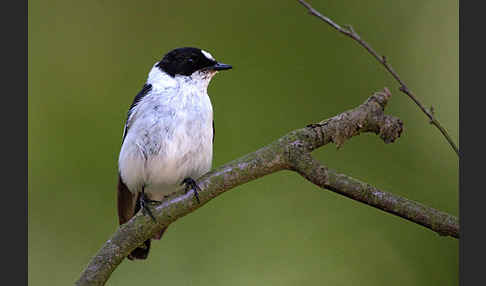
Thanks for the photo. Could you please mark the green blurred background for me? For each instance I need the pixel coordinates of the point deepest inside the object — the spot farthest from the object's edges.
(88, 59)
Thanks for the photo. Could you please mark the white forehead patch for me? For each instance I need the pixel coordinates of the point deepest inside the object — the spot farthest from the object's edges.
(207, 55)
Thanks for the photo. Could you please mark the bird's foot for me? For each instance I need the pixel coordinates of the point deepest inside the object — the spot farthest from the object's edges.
(191, 184)
(144, 205)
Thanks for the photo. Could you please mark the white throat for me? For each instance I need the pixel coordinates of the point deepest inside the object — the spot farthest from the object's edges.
(162, 81)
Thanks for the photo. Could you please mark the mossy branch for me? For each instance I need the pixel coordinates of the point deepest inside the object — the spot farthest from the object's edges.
(290, 152)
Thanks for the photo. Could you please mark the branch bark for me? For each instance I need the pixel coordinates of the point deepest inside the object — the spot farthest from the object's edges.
(349, 31)
(290, 152)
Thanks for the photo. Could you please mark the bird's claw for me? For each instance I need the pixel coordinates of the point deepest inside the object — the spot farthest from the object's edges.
(144, 202)
(191, 184)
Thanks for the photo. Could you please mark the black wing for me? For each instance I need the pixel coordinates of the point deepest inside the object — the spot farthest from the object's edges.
(145, 90)
(214, 131)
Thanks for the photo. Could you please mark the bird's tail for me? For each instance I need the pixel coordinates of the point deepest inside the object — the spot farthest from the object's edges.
(141, 252)
(127, 208)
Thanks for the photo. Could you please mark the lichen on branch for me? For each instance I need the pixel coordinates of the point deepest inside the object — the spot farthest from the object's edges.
(290, 152)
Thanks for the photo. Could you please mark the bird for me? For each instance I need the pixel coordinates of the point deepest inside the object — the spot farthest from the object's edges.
(168, 135)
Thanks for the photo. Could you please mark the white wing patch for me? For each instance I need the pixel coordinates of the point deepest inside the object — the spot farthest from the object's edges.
(207, 55)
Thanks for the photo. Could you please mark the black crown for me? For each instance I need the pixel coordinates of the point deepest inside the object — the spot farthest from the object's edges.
(184, 61)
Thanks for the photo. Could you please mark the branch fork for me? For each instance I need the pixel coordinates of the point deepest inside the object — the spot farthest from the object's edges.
(290, 152)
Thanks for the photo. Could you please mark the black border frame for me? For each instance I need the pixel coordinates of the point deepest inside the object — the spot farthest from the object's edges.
(14, 134)
(471, 193)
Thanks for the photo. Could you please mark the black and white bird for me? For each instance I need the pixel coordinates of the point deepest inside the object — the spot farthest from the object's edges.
(168, 136)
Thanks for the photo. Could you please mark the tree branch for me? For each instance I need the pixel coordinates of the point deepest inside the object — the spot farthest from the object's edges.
(290, 152)
(440, 222)
(349, 31)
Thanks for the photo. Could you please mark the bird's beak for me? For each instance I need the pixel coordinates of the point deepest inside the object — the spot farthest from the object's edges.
(220, 67)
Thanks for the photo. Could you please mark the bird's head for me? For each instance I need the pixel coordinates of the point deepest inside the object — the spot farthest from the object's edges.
(186, 61)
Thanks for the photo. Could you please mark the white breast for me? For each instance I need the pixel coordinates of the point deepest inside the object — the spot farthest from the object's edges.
(170, 135)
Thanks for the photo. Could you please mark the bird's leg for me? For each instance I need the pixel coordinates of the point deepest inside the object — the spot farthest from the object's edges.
(144, 202)
(191, 184)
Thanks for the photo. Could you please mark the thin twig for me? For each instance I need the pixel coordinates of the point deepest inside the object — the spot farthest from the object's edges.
(349, 31)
